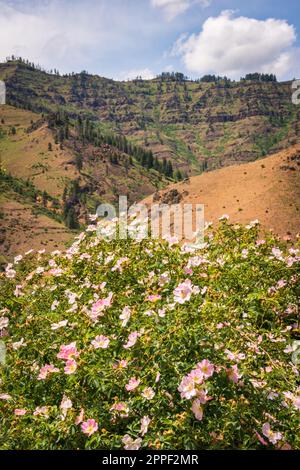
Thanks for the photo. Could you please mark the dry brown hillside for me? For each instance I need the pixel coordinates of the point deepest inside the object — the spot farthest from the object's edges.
(267, 190)
(21, 229)
(39, 174)
(26, 154)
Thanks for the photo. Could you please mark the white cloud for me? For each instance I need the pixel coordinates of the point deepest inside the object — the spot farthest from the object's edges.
(233, 46)
(145, 74)
(173, 8)
(95, 35)
(43, 35)
(169, 68)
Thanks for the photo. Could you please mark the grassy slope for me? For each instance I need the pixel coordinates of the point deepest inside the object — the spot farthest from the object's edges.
(268, 190)
(258, 190)
(26, 155)
(26, 225)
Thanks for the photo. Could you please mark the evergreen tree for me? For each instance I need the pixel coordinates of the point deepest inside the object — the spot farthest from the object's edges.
(45, 199)
(150, 160)
(169, 169)
(164, 165)
(71, 219)
(61, 134)
(178, 175)
(79, 162)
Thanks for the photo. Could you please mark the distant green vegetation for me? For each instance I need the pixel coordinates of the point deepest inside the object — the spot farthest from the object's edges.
(266, 141)
(260, 77)
(88, 131)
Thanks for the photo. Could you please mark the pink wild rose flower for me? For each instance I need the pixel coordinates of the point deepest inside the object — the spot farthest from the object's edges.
(197, 409)
(132, 384)
(71, 367)
(273, 436)
(100, 342)
(89, 427)
(68, 351)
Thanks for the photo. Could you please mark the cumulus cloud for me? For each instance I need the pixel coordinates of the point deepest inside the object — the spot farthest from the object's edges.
(233, 46)
(145, 74)
(173, 8)
(43, 34)
(95, 35)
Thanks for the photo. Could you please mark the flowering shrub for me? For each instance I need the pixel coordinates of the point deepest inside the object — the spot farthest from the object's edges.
(126, 344)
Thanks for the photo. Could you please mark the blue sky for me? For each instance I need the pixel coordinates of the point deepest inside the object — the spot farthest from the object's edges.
(125, 38)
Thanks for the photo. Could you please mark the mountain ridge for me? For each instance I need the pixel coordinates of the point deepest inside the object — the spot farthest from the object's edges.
(198, 125)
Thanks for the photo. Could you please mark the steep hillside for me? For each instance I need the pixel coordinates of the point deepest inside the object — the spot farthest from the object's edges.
(24, 142)
(29, 219)
(67, 176)
(268, 190)
(23, 228)
(198, 125)
(30, 149)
